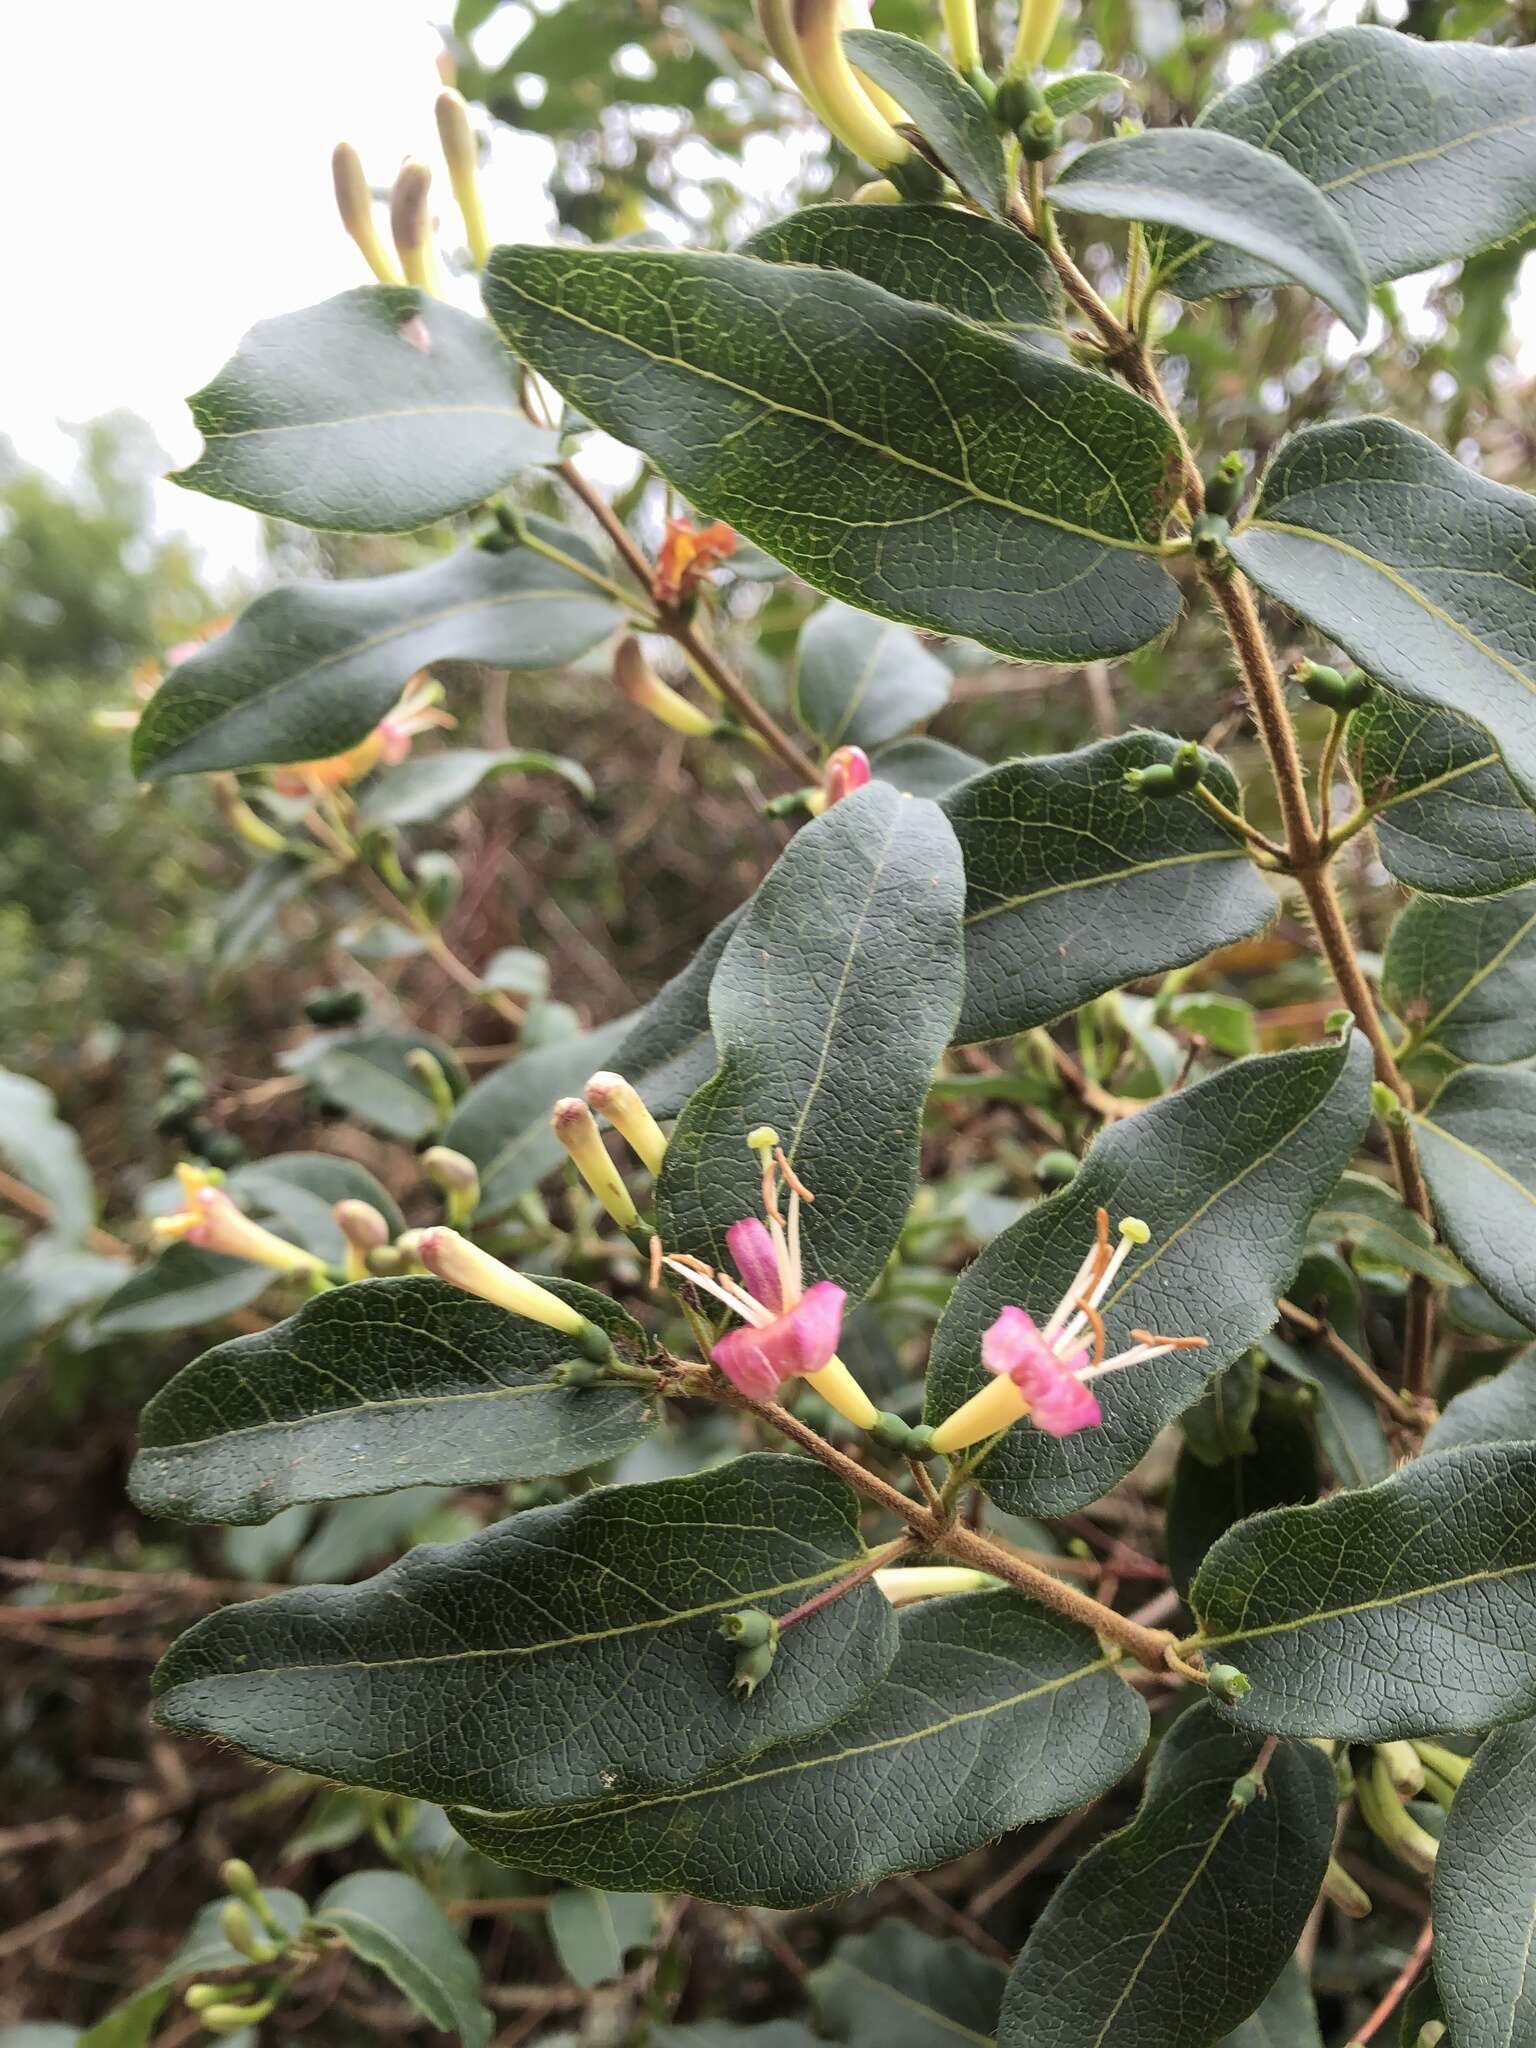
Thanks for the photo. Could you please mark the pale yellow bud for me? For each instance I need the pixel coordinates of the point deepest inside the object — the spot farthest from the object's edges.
(354, 202)
(576, 1128)
(614, 1098)
(462, 1264)
(365, 1231)
(960, 27)
(410, 221)
(462, 155)
(640, 683)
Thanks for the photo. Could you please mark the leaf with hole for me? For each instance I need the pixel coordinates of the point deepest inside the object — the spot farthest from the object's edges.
(1226, 1175)
(1426, 151)
(1421, 570)
(563, 1654)
(834, 997)
(935, 255)
(1138, 1944)
(1389, 1612)
(1213, 185)
(378, 411)
(993, 1714)
(1076, 883)
(1448, 820)
(1026, 510)
(309, 669)
(1477, 1142)
(384, 1384)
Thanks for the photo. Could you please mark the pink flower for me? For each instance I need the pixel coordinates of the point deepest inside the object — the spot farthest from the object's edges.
(751, 1248)
(758, 1358)
(1058, 1401)
(847, 769)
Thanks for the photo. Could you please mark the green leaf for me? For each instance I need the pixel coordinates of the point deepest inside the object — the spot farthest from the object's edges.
(669, 1051)
(1026, 510)
(1226, 1023)
(896, 1987)
(1172, 1931)
(49, 1280)
(860, 680)
(1082, 90)
(935, 255)
(1286, 2019)
(924, 767)
(308, 670)
(1463, 975)
(949, 114)
(1220, 1425)
(1212, 185)
(1076, 883)
(1374, 1221)
(834, 997)
(1485, 1896)
(203, 1951)
(376, 412)
(1497, 1410)
(502, 1123)
(1205, 1501)
(1226, 1175)
(1423, 571)
(519, 971)
(384, 1384)
(1387, 1612)
(295, 1193)
(1477, 1142)
(394, 1924)
(994, 1714)
(247, 919)
(523, 1665)
(180, 1290)
(45, 1153)
(1425, 150)
(1447, 818)
(593, 1932)
(435, 784)
(366, 1073)
(1419, 2009)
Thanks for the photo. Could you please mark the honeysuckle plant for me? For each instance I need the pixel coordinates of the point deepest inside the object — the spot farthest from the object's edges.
(1265, 1267)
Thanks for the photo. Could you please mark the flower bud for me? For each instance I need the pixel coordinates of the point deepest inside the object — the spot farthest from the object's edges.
(1040, 136)
(611, 1096)
(456, 1178)
(806, 37)
(361, 1225)
(1055, 1169)
(410, 222)
(639, 682)
(354, 202)
(439, 882)
(1387, 1104)
(1244, 1792)
(462, 1264)
(428, 1070)
(1403, 1766)
(387, 1262)
(576, 1128)
(198, 1997)
(239, 1930)
(462, 156)
(1349, 1897)
(877, 192)
(847, 769)
(749, 1628)
(1325, 685)
(225, 2018)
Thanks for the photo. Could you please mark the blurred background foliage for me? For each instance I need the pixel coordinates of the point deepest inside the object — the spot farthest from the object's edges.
(134, 925)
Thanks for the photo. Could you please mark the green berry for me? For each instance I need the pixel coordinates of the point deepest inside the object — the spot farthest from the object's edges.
(335, 1005)
(749, 1628)
(1227, 1684)
(890, 1430)
(752, 1667)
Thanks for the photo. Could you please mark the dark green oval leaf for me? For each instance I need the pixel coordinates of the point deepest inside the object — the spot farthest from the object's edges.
(936, 255)
(523, 1665)
(1423, 571)
(1226, 1174)
(1075, 883)
(860, 680)
(394, 1924)
(181, 1289)
(1215, 186)
(1427, 151)
(1485, 1896)
(1173, 1930)
(993, 1714)
(1381, 1230)
(1477, 1141)
(1394, 1611)
(833, 999)
(896, 1987)
(1447, 818)
(376, 412)
(1498, 1410)
(385, 1384)
(308, 670)
(434, 784)
(1286, 2019)
(1463, 975)
(1025, 511)
(949, 114)
(295, 1193)
(367, 1074)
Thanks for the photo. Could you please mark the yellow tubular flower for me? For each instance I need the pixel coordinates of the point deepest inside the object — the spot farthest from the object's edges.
(640, 683)
(840, 1390)
(610, 1095)
(776, 20)
(410, 222)
(463, 159)
(462, 1264)
(354, 202)
(960, 27)
(839, 98)
(1037, 24)
(213, 1222)
(855, 14)
(576, 1128)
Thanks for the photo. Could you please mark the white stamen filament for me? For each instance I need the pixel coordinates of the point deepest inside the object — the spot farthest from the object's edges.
(1063, 1308)
(795, 1280)
(735, 1298)
(1074, 1329)
(1135, 1356)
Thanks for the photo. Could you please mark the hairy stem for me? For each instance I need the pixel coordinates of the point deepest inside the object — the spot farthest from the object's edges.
(687, 636)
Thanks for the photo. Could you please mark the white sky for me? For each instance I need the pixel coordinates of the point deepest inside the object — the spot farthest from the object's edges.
(165, 166)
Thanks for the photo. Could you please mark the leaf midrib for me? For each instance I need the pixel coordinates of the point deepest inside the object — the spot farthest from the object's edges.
(1491, 1576)
(1110, 875)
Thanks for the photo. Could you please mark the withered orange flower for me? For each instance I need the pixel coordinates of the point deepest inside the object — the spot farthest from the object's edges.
(688, 553)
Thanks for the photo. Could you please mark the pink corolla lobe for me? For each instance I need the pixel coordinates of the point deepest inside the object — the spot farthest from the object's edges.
(1059, 1403)
(758, 1358)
